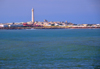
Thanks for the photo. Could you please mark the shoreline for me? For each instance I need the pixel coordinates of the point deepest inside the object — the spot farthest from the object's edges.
(52, 27)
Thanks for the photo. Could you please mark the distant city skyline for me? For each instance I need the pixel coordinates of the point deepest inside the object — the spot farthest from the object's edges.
(75, 11)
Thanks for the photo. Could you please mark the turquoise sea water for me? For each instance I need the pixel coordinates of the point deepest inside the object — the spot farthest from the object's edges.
(50, 49)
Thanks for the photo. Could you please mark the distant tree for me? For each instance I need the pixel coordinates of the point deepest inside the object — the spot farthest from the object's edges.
(60, 24)
(74, 24)
(52, 24)
(36, 21)
(45, 20)
(89, 24)
(62, 21)
(13, 23)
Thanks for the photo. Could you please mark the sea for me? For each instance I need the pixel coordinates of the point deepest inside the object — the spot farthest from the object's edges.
(50, 49)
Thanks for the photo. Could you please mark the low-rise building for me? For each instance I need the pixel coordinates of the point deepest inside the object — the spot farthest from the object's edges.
(19, 25)
(3, 25)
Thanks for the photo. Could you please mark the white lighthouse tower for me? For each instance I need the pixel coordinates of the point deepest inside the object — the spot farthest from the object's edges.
(32, 15)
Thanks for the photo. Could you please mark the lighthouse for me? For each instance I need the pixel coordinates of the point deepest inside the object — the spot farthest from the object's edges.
(32, 15)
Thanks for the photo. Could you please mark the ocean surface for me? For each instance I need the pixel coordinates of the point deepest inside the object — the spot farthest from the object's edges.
(50, 49)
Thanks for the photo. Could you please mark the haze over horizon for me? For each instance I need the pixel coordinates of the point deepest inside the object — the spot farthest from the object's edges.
(75, 11)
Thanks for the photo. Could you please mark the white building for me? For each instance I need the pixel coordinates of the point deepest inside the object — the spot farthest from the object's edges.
(19, 25)
(3, 25)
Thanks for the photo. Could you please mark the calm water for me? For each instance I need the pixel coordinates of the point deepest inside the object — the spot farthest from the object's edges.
(50, 49)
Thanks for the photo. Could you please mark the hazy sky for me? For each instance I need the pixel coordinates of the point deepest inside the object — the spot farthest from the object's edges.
(75, 11)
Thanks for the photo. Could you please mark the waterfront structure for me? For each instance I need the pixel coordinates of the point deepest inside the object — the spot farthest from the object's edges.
(32, 15)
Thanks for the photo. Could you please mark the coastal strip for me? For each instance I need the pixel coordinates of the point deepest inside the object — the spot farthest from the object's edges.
(51, 27)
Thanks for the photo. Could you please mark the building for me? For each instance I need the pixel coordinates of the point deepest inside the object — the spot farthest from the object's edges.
(2, 25)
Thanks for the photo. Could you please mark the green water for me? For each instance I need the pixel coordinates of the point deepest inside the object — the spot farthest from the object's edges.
(50, 49)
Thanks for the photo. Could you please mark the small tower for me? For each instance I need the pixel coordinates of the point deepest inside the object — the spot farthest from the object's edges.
(32, 15)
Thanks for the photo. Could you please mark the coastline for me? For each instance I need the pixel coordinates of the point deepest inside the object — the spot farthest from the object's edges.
(51, 27)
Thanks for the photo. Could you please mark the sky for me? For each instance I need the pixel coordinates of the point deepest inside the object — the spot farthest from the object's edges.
(74, 11)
